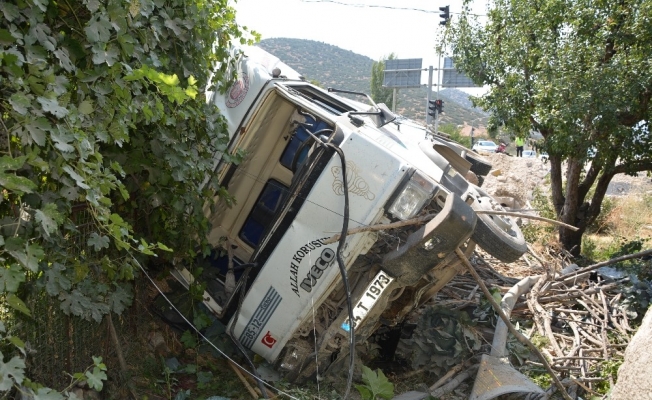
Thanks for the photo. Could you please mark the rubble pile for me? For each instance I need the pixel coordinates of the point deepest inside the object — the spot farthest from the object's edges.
(581, 319)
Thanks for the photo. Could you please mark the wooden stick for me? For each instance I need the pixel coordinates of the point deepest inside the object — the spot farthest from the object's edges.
(605, 263)
(519, 336)
(250, 389)
(455, 382)
(448, 375)
(426, 218)
(527, 216)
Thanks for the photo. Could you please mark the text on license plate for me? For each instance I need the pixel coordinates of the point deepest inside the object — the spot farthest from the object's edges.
(373, 292)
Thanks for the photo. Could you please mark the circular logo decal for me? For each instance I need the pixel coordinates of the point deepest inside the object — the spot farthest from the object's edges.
(238, 92)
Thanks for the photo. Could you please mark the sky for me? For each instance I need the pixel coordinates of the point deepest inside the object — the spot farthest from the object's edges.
(373, 28)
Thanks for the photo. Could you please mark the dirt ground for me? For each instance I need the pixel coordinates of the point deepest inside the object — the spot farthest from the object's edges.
(518, 177)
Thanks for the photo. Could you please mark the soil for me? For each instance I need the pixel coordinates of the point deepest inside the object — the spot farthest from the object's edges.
(518, 177)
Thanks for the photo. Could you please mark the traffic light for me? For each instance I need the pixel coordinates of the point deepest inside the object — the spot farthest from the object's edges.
(432, 108)
(445, 15)
(435, 106)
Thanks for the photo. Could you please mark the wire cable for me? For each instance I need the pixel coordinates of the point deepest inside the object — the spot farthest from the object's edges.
(340, 259)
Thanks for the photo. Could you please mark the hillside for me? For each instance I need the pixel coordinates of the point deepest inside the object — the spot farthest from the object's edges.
(331, 66)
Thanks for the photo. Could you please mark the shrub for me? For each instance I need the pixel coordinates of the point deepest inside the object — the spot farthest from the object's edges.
(103, 109)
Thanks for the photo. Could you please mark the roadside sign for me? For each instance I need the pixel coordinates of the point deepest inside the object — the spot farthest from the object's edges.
(404, 73)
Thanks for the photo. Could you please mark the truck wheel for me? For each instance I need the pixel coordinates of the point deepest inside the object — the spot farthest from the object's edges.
(498, 235)
(479, 165)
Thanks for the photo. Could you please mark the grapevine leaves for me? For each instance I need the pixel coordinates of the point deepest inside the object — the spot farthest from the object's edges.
(86, 97)
(11, 372)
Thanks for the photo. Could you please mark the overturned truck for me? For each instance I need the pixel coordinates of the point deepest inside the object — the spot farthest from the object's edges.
(304, 274)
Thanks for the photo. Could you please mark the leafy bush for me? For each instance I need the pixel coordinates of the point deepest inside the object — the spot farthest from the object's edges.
(103, 111)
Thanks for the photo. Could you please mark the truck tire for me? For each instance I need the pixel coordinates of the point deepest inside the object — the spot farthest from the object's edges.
(479, 165)
(498, 235)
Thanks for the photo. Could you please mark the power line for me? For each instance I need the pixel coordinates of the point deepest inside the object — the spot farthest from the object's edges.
(371, 6)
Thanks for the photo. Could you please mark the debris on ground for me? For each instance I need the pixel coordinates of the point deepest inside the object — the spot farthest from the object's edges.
(581, 321)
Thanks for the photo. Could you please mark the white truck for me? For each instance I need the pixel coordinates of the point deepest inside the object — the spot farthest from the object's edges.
(317, 164)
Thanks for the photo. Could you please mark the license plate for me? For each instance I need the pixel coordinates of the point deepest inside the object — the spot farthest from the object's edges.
(375, 289)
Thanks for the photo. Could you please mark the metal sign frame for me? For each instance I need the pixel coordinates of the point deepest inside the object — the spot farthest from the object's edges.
(403, 73)
(451, 78)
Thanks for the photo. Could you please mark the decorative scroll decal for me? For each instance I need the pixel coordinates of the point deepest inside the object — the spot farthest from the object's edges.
(357, 185)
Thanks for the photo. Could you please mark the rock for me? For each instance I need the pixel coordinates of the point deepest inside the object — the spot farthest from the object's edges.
(156, 342)
(634, 378)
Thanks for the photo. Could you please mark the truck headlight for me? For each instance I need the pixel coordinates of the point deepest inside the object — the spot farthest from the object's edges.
(414, 195)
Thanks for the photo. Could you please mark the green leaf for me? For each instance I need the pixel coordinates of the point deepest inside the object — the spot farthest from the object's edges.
(20, 102)
(98, 242)
(64, 59)
(378, 383)
(17, 304)
(61, 139)
(8, 163)
(189, 340)
(29, 257)
(119, 300)
(78, 178)
(163, 247)
(97, 361)
(52, 106)
(105, 54)
(10, 10)
(50, 394)
(365, 392)
(11, 372)
(55, 280)
(6, 38)
(11, 277)
(95, 379)
(17, 183)
(37, 129)
(98, 29)
(49, 218)
(16, 342)
(42, 4)
(86, 107)
(92, 5)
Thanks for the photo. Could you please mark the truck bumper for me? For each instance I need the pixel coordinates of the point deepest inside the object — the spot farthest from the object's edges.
(427, 247)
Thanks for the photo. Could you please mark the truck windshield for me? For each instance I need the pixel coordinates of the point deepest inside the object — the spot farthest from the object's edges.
(323, 100)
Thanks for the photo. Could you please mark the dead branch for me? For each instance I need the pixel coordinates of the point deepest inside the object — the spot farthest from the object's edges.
(519, 336)
(605, 263)
(528, 216)
(455, 382)
(244, 381)
(448, 375)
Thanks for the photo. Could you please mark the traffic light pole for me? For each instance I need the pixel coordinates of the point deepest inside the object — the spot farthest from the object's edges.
(438, 84)
(429, 96)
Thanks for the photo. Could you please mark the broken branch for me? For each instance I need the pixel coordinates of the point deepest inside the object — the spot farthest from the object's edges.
(521, 338)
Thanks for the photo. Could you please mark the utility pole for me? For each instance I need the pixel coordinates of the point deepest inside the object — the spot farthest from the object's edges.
(438, 84)
(429, 97)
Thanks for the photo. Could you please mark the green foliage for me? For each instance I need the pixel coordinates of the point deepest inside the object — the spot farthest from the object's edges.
(577, 73)
(13, 372)
(106, 140)
(608, 371)
(379, 93)
(376, 385)
(454, 134)
(601, 223)
(539, 232)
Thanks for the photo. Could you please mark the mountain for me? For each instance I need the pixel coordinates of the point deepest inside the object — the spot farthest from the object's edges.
(331, 66)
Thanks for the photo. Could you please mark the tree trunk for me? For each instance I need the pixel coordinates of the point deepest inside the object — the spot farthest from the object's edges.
(634, 378)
